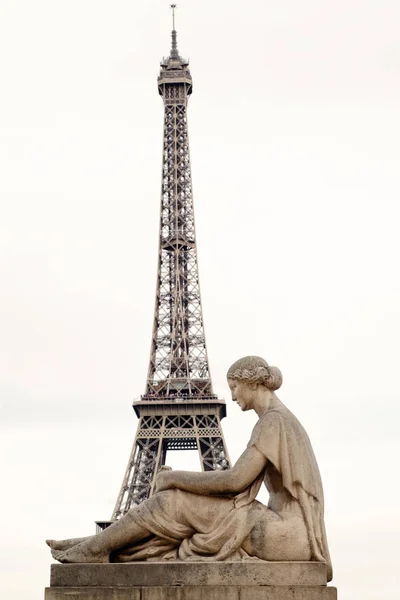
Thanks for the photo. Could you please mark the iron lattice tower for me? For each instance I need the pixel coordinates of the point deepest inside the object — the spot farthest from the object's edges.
(179, 410)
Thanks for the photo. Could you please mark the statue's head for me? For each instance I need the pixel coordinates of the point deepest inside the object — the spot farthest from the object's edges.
(255, 370)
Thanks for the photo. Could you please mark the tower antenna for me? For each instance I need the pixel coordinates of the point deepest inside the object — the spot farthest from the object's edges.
(173, 6)
(174, 44)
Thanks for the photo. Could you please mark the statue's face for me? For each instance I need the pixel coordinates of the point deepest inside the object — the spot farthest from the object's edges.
(242, 393)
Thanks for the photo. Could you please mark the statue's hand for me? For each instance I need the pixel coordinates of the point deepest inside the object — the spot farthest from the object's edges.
(164, 479)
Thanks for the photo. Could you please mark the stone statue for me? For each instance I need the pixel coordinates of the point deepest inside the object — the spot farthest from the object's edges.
(214, 516)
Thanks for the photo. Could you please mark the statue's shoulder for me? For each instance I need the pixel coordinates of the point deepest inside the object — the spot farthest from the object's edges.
(274, 415)
(269, 423)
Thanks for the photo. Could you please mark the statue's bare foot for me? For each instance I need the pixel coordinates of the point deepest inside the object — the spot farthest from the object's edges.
(60, 544)
(79, 554)
(65, 544)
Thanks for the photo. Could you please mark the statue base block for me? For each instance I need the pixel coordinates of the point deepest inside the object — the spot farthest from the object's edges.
(190, 581)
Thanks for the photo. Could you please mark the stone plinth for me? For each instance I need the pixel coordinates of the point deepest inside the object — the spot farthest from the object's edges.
(190, 581)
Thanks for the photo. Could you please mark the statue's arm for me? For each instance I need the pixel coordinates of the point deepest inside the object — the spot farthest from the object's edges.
(232, 481)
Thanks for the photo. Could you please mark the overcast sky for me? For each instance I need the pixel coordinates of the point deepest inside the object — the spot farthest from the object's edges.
(294, 132)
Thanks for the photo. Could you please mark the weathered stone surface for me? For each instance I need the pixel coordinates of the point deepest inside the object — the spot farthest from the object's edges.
(288, 593)
(193, 574)
(93, 593)
(193, 593)
(238, 593)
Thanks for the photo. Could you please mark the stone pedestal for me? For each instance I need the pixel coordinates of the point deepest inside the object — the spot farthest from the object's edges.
(190, 581)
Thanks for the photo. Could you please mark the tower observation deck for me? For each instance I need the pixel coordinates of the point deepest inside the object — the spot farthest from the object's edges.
(179, 409)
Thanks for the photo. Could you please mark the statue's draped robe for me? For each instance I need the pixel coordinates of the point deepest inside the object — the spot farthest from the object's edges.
(189, 526)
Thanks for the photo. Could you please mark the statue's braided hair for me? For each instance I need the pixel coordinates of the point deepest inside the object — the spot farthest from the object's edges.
(255, 369)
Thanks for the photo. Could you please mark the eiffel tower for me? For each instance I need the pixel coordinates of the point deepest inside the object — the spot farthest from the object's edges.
(179, 410)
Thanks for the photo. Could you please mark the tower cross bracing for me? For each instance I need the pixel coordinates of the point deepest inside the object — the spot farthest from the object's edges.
(179, 410)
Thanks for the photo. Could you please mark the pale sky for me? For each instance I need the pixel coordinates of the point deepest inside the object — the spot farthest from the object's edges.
(294, 134)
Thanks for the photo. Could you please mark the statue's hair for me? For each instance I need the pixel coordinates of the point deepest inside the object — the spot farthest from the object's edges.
(255, 369)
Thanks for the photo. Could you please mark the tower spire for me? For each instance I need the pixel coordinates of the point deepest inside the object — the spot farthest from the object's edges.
(174, 43)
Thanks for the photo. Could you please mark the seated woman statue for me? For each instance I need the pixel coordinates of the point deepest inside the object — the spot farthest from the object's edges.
(215, 515)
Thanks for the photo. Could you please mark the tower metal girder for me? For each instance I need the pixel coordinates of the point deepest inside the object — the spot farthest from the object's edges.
(178, 360)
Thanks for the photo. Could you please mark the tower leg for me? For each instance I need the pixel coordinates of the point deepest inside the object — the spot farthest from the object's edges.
(158, 434)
